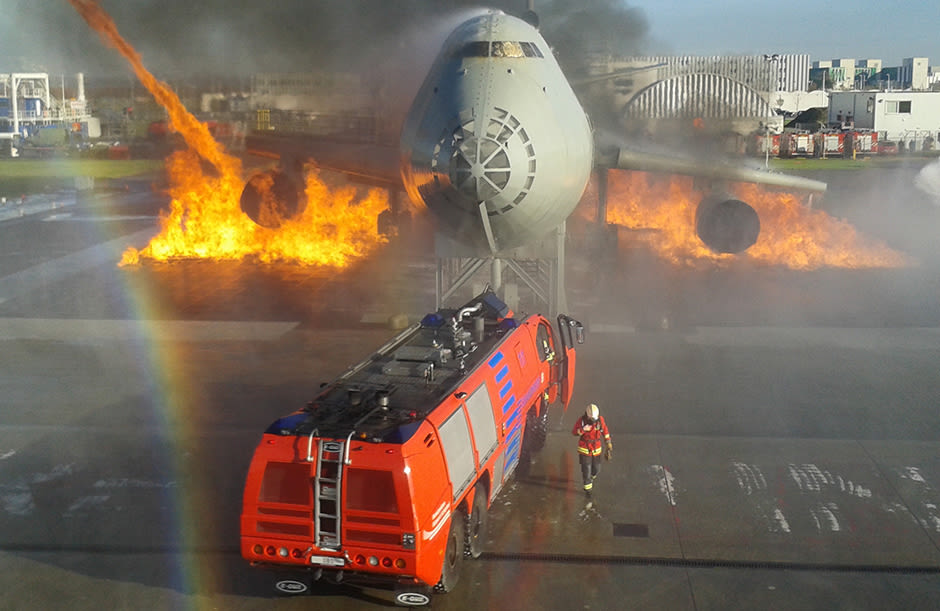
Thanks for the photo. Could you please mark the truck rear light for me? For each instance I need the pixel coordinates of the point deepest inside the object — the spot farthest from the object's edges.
(282, 552)
(270, 550)
(360, 559)
(297, 553)
(258, 549)
(373, 561)
(387, 562)
(399, 563)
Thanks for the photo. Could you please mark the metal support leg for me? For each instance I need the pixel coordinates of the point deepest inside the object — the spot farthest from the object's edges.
(602, 191)
(560, 304)
(539, 267)
(496, 275)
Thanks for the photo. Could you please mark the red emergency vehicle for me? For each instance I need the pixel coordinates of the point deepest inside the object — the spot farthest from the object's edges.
(386, 477)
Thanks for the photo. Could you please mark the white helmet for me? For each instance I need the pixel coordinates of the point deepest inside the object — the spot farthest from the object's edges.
(591, 413)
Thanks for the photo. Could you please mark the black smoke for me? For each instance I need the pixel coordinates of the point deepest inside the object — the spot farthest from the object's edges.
(180, 37)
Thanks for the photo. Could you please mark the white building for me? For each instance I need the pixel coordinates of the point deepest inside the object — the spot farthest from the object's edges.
(841, 71)
(908, 117)
(914, 73)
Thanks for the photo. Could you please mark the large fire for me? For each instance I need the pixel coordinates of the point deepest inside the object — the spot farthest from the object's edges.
(792, 234)
(205, 220)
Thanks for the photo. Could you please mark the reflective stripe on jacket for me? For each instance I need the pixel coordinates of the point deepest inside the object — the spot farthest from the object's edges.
(593, 436)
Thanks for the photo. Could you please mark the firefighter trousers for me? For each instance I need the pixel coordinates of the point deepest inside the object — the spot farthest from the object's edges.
(590, 467)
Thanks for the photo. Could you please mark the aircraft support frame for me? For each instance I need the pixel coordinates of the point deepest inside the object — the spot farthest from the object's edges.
(541, 269)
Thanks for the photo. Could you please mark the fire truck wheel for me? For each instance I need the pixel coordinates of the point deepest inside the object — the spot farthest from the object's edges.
(453, 554)
(476, 534)
(536, 431)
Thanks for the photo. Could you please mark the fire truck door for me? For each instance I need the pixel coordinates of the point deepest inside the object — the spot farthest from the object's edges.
(570, 331)
(546, 351)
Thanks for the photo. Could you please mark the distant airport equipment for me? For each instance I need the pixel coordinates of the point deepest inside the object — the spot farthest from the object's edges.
(386, 477)
(28, 106)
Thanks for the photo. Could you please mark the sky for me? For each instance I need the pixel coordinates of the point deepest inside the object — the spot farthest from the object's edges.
(889, 30)
(242, 36)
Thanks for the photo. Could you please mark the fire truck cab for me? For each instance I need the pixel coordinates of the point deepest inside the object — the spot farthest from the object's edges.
(385, 478)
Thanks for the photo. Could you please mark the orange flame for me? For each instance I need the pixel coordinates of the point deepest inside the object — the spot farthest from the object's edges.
(205, 220)
(792, 234)
(193, 131)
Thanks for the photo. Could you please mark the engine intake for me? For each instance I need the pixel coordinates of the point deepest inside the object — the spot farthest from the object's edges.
(725, 224)
(271, 198)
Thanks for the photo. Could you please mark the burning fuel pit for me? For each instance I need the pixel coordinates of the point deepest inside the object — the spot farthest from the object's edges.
(808, 268)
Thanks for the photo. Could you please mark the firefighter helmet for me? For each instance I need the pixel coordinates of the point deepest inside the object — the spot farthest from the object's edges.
(591, 413)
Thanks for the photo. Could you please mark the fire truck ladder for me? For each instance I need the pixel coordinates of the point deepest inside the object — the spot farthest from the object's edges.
(326, 494)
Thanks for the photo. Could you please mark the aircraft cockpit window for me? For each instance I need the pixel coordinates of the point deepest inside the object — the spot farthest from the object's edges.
(477, 48)
(530, 49)
(507, 49)
(483, 48)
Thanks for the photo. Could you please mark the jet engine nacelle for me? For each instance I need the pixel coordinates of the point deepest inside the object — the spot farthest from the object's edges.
(272, 197)
(726, 224)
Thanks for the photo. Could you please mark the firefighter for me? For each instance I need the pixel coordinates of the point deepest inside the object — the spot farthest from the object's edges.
(593, 434)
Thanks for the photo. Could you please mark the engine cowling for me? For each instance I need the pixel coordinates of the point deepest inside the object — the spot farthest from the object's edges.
(271, 198)
(726, 224)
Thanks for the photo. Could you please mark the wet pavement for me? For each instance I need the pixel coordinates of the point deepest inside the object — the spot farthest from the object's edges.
(776, 440)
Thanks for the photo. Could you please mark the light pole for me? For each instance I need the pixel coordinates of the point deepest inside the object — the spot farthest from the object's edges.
(770, 111)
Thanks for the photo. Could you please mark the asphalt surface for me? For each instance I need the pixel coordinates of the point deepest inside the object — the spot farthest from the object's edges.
(776, 432)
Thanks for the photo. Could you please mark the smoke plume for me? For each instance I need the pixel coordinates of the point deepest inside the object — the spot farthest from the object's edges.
(177, 37)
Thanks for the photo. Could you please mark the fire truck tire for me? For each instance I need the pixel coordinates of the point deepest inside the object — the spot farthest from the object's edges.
(476, 533)
(453, 553)
(536, 430)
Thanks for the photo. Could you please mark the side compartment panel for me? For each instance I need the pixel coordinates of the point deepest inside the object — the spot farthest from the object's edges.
(480, 410)
(458, 451)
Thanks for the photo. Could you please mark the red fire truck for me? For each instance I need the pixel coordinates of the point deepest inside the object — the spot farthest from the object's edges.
(386, 477)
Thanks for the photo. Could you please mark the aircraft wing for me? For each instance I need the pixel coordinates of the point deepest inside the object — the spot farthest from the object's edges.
(656, 161)
(364, 161)
(380, 164)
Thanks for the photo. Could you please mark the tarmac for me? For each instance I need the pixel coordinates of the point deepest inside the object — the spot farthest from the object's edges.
(784, 463)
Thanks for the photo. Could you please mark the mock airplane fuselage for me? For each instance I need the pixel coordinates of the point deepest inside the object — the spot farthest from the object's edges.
(496, 144)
